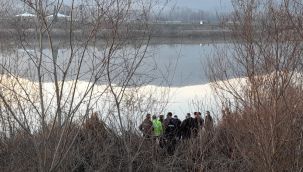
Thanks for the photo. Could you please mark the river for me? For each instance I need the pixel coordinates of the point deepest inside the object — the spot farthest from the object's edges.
(177, 67)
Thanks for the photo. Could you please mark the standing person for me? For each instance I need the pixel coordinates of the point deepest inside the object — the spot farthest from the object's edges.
(146, 127)
(170, 126)
(187, 127)
(188, 115)
(157, 128)
(161, 119)
(167, 119)
(208, 122)
(170, 134)
(161, 140)
(177, 122)
(198, 123)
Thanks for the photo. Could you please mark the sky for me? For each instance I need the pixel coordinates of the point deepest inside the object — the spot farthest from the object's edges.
(206, 5)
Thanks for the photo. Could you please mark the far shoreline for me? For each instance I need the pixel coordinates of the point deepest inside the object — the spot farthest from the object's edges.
(9, 36)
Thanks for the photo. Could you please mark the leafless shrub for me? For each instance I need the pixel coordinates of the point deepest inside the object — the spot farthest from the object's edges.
(266, 92)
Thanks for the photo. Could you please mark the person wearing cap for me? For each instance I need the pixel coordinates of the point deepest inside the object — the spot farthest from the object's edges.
(146, 127)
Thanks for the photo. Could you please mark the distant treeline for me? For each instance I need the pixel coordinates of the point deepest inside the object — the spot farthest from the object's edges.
(62, 28)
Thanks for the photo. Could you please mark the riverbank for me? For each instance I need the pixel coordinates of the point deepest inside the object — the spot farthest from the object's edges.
(65, 29)
(170, 34)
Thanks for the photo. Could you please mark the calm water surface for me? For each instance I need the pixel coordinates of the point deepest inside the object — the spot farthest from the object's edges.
(174, 65)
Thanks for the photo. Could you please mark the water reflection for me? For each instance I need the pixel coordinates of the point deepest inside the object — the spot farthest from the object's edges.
(173, 65)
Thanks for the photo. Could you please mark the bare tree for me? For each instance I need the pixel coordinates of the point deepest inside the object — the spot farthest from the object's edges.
(54, 80)
(265, 62)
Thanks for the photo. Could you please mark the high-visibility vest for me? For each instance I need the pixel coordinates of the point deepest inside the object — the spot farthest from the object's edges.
(157, 126)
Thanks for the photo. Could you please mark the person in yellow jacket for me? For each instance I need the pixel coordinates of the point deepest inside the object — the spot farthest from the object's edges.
(157, 128)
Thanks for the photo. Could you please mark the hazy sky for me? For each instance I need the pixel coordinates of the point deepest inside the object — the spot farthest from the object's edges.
(207, 5)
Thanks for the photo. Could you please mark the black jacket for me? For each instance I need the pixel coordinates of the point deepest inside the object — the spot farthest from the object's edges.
(186, 128)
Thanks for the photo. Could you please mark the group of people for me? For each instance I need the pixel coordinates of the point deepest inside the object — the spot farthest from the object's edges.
(172, 129)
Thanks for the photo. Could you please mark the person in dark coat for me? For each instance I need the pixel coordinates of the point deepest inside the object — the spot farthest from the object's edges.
(177, 122)
(167, 119)
(161, 119)
(170, 126)
(162, 141)
(170, 134)
(187, 127)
